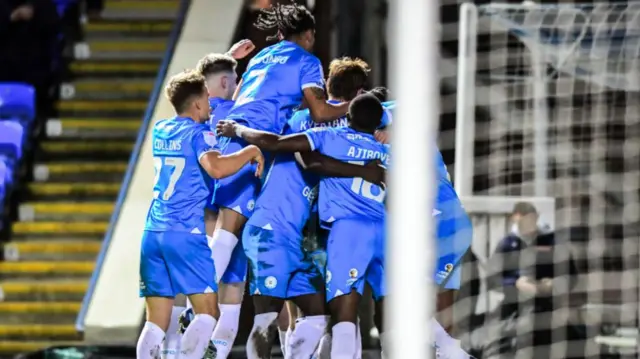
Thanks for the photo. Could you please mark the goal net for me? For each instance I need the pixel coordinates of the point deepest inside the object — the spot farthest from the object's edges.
(548, 109)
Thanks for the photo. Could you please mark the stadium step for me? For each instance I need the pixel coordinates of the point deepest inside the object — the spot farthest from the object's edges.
(18, 346)
(130, 48)
(59, 229)
(142, 9)
(54, 250)
(65, 211)
(107, 89)
(45, 312)
(128, 27)
(64, 150)
(79, 171)
(39, 331)
(44, 269)
(114, 68)
(122, 108)
(92, 190)
(30, 290)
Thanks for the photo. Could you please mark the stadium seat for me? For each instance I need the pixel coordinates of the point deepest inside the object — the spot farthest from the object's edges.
(11, 139)
(17, 100)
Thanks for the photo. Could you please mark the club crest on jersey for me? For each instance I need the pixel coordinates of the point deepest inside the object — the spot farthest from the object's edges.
(448, 267)
(210, 138)
(270, 282)
(353, 273)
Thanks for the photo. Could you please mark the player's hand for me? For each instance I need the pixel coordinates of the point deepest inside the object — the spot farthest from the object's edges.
(376, 173)
(241, 49)
(22, 13)
(258, 158)
(382, 136)
(226, 128)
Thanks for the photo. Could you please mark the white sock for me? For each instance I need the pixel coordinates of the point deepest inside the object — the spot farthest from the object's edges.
(358, 340)
(260, 334)
(343, 344)
(324, 348)
(441, 338)
(282, 335)
(149, 342)
(195, 340)
(222, 244)
(227, 329)
(287, 339)
(306, 336)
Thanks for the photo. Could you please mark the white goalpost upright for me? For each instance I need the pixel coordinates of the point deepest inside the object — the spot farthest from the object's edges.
(414, 58)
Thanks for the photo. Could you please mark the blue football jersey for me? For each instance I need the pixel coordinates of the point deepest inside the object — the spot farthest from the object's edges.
(181, 187)
(286, 200)
(219, 110)
(272, 86)
(349, 197)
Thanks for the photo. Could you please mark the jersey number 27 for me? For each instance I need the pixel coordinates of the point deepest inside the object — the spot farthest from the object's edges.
(173, 164)
(363, 187)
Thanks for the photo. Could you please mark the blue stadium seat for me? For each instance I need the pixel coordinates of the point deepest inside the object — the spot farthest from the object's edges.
(11, 138)
(63, 5)
(17, 100)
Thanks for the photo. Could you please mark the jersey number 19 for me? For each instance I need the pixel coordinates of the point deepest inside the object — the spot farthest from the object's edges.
(177, 166)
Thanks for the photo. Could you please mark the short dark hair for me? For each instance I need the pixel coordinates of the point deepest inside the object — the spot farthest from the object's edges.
(289, 20)
(365, 111)
(183, 87)
(347, 76)
(381, 93)
(524, 208)
(213, 64)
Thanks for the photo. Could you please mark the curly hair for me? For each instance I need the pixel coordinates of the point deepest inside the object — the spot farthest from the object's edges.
(288, 20)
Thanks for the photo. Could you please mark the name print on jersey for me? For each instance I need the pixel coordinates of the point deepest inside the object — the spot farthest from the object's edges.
(167, 145)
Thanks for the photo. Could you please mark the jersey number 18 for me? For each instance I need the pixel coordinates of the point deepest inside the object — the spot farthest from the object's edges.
(177, 164)
(363, 188)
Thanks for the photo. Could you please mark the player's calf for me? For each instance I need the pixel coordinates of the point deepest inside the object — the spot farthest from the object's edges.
(153, 331)
(344, 313)
(195, 340)
(230, 299)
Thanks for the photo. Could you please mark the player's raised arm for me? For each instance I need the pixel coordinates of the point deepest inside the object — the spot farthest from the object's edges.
(320, 109)
(266, 140)
(316, 162)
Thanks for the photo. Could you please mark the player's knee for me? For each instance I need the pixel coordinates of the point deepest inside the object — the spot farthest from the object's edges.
(231, 221)
(206, 303)
(159, 311)
(266, 304)
(230, 293)
(311, 304)
(345, 307)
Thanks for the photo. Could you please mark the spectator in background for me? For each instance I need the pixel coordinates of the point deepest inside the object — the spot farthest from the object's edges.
(523, 268)
(29, 32)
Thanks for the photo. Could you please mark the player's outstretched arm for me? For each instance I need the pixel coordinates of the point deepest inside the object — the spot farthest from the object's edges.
(316, 162)
(320, 109)
(265, 140)
(219, 166)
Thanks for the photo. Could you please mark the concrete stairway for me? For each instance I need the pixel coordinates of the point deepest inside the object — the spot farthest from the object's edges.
(78, 173)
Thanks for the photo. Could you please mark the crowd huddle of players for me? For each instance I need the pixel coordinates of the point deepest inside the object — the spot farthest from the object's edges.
(243, 171)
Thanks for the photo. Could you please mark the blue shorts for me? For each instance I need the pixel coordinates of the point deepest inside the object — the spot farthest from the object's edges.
(174, 263)
(355, 255)
(237, 192)
(279, 266)
(454, 236)
(237, 269)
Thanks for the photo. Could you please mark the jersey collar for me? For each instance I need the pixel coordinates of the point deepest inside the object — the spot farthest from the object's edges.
(215, 102)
